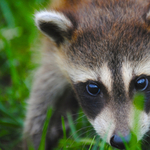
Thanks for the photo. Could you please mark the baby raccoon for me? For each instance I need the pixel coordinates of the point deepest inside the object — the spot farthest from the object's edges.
(97, 56)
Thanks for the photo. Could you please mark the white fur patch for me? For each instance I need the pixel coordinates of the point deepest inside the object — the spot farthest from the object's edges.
(143, 67)
(53, 17)
(106, 76)
(83, 74)
(104, 124)
(127, 74)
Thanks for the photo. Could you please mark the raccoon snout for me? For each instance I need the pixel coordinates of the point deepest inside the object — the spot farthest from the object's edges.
(117, 142)
(120, 142)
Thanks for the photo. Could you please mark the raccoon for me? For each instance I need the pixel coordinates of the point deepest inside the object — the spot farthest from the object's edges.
(97, 56)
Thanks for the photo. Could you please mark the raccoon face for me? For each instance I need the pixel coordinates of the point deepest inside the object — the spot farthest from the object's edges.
(106, 57)
(114, 111)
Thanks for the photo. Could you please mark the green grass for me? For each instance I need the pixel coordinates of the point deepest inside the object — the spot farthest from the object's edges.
(45, 127)
(18, 52)
(18, 40)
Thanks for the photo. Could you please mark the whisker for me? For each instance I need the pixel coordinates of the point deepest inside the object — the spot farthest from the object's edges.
(80, 130)
(85, 143)
(82, 135)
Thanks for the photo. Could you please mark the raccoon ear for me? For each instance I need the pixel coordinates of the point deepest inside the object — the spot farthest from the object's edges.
(55, 25)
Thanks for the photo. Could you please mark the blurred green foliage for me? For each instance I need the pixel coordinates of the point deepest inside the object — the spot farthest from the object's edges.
(18, 36)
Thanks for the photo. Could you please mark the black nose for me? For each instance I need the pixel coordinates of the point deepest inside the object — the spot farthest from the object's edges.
(118, 142)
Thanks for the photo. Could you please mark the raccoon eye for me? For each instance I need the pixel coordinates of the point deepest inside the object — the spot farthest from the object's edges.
(93, 89)
(141, 83)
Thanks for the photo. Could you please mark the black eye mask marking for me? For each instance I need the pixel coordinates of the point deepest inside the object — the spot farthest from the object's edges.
(92, 97)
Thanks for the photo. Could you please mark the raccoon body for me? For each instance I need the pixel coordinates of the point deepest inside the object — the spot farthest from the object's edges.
(97, 56)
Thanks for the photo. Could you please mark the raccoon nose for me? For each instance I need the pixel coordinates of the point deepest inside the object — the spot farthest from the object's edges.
(118, 142)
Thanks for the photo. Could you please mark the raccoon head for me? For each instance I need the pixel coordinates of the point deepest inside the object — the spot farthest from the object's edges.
(104, 50)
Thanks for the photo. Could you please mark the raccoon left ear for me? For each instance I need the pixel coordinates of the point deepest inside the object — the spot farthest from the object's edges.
(55, 25)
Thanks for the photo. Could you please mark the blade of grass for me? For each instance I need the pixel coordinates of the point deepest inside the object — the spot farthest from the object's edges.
(8, 114)
(92, 143)
(45, 127)
(96, 144)
(9, 124)
(30, 145)
(64, 132)
(72, 126)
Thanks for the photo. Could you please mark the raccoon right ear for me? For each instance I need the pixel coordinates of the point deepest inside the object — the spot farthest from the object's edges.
(55, 25)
